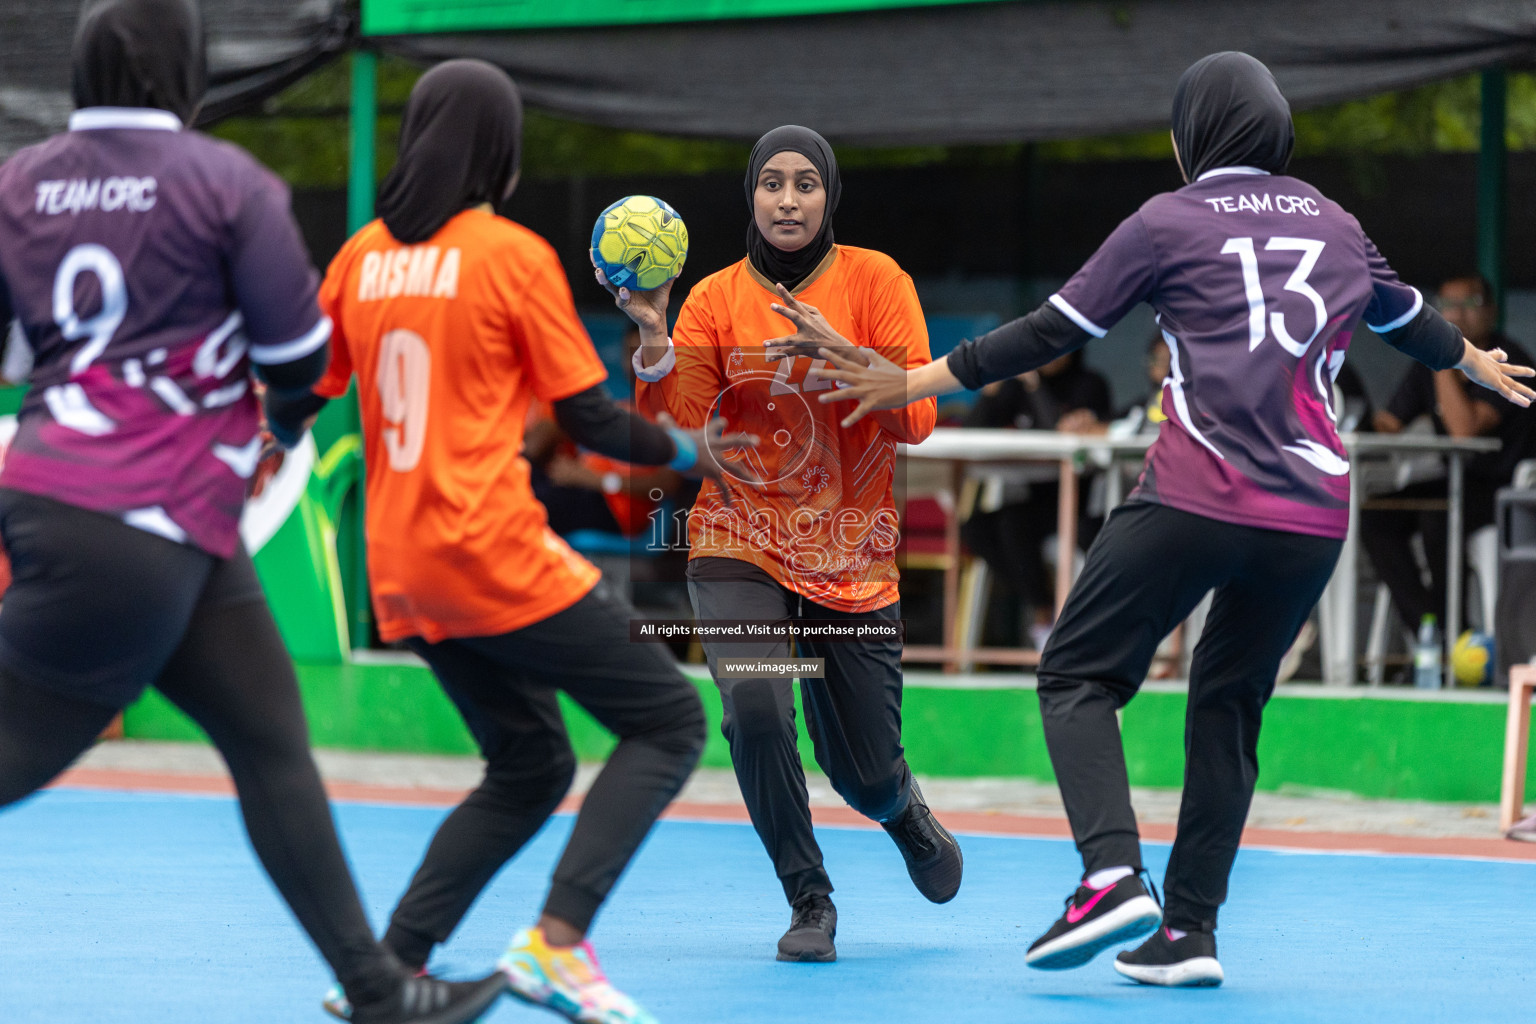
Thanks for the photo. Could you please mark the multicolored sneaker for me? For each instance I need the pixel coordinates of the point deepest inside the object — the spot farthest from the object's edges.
(568, 981)
(335, 1003)
(1094, 920)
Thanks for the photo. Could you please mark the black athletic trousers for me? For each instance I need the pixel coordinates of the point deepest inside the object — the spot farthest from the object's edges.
(1145, 573)
(853, 716)
(505, 687)
(97, 612)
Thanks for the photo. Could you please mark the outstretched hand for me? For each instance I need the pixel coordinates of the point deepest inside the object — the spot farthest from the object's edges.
(812, 331)
(868, 378)
(1491, 369)
(267, 464)
(714, 464)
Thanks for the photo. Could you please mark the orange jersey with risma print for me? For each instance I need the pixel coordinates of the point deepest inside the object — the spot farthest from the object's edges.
(450, 341)
(825, 523)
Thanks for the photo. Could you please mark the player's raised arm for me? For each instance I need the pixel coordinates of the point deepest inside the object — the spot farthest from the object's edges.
(1115, 279)
(898, 332)
(591, 417)
(1399, 314)
(1024, 344)
(593, 420)
(681, 375)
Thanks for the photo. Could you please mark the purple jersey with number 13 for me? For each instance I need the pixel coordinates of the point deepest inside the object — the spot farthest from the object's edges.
(149, 267)
(1257, 281)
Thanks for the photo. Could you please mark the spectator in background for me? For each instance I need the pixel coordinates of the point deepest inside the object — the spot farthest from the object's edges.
(1009, 537)
(1143, 416)
(1457, 408)
(583, 490)
(1355, 413)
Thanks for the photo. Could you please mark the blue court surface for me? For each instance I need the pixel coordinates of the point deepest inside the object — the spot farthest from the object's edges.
(131, 908)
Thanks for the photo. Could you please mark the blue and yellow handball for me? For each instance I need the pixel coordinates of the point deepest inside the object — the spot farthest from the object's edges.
(639, 242)
(1472, 659)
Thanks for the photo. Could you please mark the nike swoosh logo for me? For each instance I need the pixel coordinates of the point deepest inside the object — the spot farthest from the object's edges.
(1076, 913)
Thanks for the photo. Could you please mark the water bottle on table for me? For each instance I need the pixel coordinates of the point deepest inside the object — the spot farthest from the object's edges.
(1426, 655)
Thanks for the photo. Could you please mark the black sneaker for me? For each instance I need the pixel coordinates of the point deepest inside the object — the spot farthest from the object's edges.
(811, 931)
(428, 1000)
(1094, 920)
(932, 855)
(1189, 962)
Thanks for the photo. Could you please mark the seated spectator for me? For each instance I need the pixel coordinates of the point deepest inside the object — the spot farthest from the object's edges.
(1457, 408)
(1143, 416)
(1355, 413)
(1009, 535)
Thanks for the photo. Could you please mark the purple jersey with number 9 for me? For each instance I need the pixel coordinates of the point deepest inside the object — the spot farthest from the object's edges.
(148, 267)
(1257, 281)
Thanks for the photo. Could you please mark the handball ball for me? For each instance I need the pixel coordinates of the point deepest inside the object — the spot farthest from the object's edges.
(639, 242)
(1472, 659)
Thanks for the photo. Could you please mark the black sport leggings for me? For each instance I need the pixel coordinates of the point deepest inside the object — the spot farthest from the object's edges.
(506, 688)
(97, 611)
(853, 717)
(1148, 569)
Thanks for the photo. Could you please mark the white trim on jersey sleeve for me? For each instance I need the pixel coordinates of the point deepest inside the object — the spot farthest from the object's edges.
(1076, 317)
(90, 118)
(1237, 169)
(1418, 304)
(298, 348)
(663, 366)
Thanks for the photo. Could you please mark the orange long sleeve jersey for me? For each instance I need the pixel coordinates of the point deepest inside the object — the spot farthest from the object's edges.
(824, 523)
(450, 341)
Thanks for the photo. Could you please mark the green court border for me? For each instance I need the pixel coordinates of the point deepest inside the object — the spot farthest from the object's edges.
(1448, 748)
(407, 17)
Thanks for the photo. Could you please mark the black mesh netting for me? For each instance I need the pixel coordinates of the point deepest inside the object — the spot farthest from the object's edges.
(953, 74)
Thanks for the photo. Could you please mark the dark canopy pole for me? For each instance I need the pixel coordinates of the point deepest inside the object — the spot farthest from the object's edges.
(360, 188)
(1491, 183)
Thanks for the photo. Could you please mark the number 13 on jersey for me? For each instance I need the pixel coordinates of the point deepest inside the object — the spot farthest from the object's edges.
(1310, 250)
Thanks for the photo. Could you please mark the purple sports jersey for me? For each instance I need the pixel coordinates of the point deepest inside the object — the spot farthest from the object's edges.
(1257, 281)
(149, 267)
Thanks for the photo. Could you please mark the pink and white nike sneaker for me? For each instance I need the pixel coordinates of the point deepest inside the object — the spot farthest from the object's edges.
(1094, 920)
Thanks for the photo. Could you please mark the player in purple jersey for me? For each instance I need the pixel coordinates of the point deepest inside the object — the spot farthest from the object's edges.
(1257, 281)
(153, 271)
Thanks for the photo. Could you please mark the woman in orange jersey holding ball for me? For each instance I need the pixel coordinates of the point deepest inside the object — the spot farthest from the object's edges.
(815, 545)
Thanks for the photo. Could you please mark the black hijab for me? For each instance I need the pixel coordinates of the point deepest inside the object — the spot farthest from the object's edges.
(459, 143)
(141, 53)
(1228, 112)
(790, 268)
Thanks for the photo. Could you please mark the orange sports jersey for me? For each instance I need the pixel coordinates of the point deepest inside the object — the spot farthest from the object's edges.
(824, 524)
(450, 340)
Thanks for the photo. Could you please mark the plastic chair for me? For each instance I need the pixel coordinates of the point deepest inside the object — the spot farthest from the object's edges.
(1483, 552)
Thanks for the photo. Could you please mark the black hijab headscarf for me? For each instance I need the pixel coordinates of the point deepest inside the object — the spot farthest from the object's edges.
(141, 53)
(1228, 112)
(459, 147)
(790, 268)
